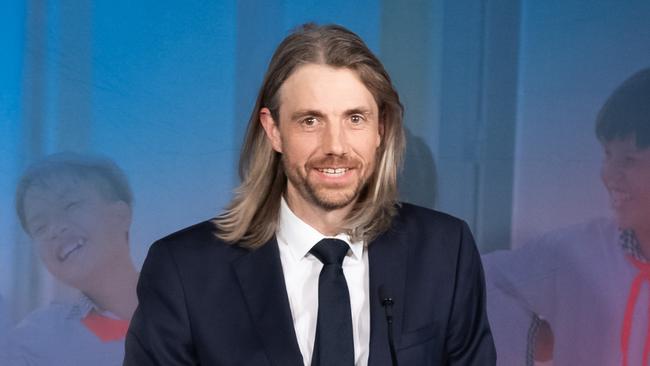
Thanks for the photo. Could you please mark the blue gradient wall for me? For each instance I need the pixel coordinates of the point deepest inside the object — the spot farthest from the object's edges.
(500, 103)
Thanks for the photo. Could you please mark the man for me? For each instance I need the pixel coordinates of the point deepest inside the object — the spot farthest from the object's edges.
(315, 262)
(77, 211)
(585, 285)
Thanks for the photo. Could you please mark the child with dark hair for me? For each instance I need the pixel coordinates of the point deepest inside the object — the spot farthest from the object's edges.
(587, 287)
(77, 211)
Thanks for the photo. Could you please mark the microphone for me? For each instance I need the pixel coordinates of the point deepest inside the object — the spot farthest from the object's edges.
(387, 304)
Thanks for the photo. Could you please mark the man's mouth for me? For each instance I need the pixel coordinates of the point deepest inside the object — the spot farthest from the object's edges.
(333, 172)
(67, 249)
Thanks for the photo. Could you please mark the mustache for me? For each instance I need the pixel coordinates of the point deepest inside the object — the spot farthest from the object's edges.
(334, 161)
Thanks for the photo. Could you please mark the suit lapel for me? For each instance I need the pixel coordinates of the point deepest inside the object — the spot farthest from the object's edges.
(260, 276)
(387, 257)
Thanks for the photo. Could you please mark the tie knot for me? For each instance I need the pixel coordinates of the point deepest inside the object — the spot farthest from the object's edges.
(330, 251)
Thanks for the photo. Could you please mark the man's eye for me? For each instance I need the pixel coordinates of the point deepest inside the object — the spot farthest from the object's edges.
(356, 119)
(309, 121)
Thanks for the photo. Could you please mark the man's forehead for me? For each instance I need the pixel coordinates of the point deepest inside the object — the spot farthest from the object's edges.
(313, 74)
(315, 86)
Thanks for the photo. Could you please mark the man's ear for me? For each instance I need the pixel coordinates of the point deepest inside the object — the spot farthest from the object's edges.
(271, 129)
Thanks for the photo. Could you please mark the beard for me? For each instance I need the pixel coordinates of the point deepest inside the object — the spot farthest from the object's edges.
(326, 197)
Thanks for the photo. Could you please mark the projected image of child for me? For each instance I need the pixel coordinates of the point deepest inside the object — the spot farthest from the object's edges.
(77, 211)
(587, 286)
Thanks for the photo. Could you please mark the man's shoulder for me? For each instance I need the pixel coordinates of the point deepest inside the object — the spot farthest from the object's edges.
(426, 230)
(202, 232)
(413, 215)
(198, 239)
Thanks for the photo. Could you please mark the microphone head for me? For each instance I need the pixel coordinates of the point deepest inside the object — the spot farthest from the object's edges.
(384, 296)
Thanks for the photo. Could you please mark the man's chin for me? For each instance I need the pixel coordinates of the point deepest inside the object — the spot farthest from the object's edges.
(331, 201)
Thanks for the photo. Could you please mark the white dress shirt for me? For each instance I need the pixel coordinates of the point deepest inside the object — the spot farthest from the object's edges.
(301, 270)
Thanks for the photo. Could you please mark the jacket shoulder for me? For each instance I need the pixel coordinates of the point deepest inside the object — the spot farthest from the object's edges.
(201, 232)
(198, 239)
(411, 215)
(429, 232)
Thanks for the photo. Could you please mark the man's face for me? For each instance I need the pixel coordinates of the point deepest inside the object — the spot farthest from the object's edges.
(328, 135)
(79, 235)
(626, 175)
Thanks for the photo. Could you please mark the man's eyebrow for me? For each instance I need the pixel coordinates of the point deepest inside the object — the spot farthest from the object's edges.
(358, 110)
(315, 113)
(305, 113)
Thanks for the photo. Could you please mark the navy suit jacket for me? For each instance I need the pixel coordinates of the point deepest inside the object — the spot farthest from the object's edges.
(204, 302)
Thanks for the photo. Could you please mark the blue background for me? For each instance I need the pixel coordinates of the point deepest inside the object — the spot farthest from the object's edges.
(500, 100)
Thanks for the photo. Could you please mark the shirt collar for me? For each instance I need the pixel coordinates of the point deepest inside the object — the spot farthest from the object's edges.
(301, 237)
(85, 305)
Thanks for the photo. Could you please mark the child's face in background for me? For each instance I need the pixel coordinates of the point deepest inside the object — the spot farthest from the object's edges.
(626, 175)
(79, 234)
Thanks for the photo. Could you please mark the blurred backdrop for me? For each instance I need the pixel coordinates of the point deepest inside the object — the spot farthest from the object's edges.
(500, 99)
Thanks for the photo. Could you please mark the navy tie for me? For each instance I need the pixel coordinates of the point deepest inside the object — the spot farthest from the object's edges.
(334, 345)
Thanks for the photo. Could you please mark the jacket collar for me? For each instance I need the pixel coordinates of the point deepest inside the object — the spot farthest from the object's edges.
(260, 276)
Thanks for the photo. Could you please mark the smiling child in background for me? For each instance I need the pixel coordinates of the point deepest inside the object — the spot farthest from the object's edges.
(589, 283)
(77, 211)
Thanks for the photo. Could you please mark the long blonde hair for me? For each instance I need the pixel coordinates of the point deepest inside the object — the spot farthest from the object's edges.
(251, 218)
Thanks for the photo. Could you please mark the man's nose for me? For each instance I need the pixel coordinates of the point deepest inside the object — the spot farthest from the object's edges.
(334, 140)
